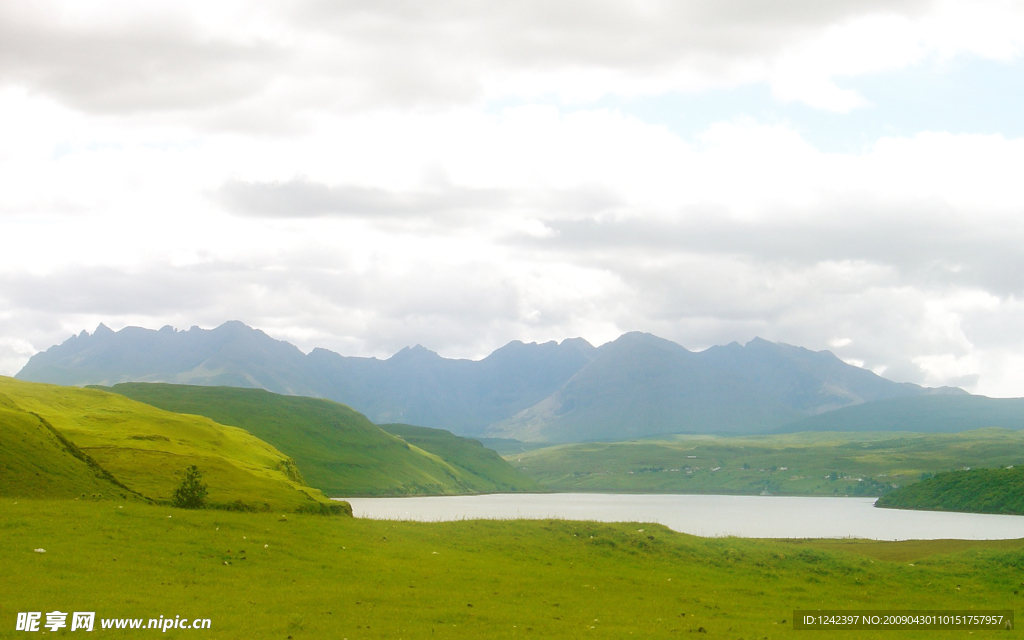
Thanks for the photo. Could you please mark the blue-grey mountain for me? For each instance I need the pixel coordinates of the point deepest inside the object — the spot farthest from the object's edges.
(638, 385)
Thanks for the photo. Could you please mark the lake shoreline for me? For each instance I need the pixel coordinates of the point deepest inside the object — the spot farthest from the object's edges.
(707, 515)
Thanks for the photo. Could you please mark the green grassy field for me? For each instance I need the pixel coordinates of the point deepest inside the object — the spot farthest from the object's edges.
(130, 448)
(789, 464)
(260, 576)
(337, 448)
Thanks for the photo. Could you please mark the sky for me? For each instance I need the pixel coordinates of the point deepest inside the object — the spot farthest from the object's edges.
(368, 175)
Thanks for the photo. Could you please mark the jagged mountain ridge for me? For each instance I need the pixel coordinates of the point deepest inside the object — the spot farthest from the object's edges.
(634, 386)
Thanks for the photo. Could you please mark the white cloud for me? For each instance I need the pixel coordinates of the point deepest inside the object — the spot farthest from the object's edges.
(269, 64)
(344, 174)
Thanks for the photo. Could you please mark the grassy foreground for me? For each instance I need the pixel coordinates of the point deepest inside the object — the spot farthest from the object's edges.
(808, 463)
(256, 575)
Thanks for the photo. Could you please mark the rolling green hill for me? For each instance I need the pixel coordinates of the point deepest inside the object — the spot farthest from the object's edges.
(972, 490)
(337, 449)
(813, 463)
(105, 444)
(467, 455)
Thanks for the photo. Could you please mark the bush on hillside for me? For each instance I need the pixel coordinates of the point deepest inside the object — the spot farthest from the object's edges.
(191, 493)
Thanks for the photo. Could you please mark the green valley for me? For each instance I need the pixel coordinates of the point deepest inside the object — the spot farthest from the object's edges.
(815, 463)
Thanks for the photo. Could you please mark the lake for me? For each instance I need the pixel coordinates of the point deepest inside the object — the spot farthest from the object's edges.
(708, 515)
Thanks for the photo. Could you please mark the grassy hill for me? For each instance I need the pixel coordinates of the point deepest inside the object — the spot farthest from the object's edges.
(467, 455)
(256, 577)
(337, 448)
(100, 443)
(972, 490)
(37, 461)
(814, 463)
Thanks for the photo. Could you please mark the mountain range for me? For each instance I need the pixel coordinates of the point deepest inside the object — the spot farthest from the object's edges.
(570, 391)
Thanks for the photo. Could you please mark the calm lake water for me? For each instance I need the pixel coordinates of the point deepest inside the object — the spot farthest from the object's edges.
(703, 515)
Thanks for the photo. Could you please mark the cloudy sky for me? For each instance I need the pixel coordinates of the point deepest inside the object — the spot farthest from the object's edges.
(366, 175)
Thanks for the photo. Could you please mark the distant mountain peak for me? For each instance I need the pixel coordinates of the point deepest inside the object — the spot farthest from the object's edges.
(235, 327)
(415, 353)
(635, 339)
(757, 342)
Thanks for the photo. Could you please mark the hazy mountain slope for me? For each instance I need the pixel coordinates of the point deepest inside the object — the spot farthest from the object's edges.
(232, 354)
(463, 396)
(638, 385)
(491, 472)
(643, 385)
(929, 413)
(808, 381)
(145, 448)
(37, 462)
(415, 385)
(337, 449)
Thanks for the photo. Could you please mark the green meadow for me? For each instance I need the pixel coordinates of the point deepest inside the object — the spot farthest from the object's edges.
(264, 575)
(811, 463)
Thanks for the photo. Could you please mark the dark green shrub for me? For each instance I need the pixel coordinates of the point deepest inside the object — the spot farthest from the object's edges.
(191, 493)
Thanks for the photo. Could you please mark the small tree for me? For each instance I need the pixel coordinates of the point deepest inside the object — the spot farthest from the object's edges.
(191, 493)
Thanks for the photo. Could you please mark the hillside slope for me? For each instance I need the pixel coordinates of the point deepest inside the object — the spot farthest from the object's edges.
(37, 462)
(337, 449)
(973, 490)
(469, 456)
(145, 448)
